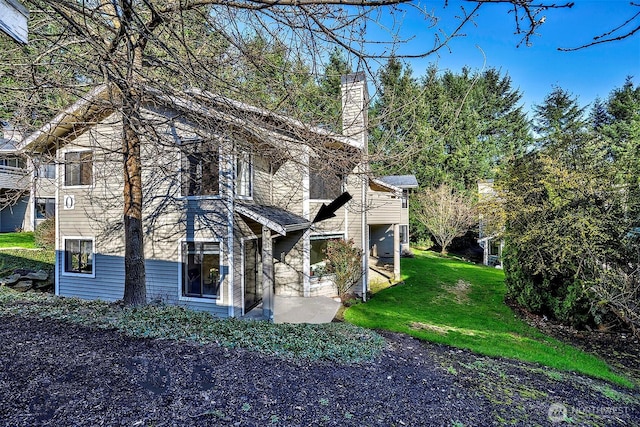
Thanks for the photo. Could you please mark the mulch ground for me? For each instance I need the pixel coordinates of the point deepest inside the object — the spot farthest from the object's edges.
(58, 374)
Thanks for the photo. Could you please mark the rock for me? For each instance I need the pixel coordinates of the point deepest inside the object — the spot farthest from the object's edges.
(11, 279)
(37, 275)
(23, 285)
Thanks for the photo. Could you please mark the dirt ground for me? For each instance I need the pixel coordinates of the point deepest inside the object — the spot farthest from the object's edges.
(58, 374)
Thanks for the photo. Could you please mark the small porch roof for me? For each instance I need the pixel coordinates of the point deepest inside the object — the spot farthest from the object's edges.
(400, 181)
(276, 219)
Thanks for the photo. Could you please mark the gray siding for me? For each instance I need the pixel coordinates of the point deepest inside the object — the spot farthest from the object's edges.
(13, 218)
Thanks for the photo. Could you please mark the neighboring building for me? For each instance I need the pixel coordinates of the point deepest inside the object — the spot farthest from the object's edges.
(490, 243)
(27, 192)
(228, 214)
(388, 219)
(13, 20)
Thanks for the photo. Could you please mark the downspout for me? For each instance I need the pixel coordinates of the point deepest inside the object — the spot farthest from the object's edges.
(365, 239)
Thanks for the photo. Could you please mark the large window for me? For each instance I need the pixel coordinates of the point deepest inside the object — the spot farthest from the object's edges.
(78, 254)
(324, 183)
(200, 169)
(201, 269)
(244, 175)
(318, 256)
(45, 208)
(78, 168)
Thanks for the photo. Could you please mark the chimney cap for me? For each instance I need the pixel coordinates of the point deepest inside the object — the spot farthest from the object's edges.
(353, 78)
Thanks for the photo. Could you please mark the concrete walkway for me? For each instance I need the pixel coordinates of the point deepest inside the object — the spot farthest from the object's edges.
(299, 310)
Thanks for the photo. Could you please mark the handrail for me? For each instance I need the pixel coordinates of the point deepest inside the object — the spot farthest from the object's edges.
(12, 170)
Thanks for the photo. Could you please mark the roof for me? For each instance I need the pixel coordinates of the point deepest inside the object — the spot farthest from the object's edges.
(400, 181)
(94, 106)
(376, 184)
(7, 146)
(73, 119)
(276, 219)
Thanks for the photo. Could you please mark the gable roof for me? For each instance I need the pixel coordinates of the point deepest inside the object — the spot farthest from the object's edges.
(260, 123)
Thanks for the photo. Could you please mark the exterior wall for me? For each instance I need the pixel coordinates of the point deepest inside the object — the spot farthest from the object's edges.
(381, 241)
(12, 218)
(169, 219)
(386, 208)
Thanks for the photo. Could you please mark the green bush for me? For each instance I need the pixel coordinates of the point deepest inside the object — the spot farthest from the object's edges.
(45, 233)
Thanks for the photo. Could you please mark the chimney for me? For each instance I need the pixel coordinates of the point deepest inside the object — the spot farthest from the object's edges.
(355, 105)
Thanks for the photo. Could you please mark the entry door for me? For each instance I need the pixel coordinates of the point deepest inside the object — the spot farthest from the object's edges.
(252, 270)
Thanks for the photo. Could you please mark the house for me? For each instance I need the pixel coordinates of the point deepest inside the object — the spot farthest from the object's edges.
(488, 238)
(388, 220)
(13, 20)
(230, 196)
(27, 186)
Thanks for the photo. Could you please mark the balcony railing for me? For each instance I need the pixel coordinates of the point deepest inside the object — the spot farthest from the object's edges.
(13, 177)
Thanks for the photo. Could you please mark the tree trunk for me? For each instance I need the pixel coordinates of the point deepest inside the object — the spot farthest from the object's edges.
(135, 288)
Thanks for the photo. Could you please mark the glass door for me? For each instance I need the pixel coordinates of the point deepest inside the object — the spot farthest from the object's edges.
(252, 271)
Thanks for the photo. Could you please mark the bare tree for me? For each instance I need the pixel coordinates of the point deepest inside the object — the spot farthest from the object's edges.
(211, 44)
(445, 213)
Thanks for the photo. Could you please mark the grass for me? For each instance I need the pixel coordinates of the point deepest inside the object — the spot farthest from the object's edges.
(339, 343)
(448, 301)
(17, 240)
(30, 259)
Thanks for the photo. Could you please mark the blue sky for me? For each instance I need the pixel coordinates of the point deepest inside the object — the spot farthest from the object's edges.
(586, 73)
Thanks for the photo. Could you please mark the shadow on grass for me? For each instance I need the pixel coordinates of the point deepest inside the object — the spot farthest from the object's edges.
(461, 304)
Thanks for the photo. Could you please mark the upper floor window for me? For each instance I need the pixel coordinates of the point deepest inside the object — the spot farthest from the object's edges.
(14, 162)
(324, 183)
(244, 175)
(405, 199)
(46, 170)
(78, 168)
(200, 169)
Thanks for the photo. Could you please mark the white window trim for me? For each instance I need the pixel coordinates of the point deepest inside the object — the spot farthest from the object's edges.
(64, 271)
(204, 196)
(63, 165)
(315, 280)
(251, 176)
(218, 300)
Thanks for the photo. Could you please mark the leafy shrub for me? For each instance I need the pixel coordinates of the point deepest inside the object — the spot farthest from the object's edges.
(45, 233)
(345, 263)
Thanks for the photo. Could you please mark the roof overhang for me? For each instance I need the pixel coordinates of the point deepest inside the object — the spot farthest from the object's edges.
(378, 185)
(276, 219)
(88, 110)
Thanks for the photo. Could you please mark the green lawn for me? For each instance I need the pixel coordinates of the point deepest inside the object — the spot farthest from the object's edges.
(461, 304)
(17, 240)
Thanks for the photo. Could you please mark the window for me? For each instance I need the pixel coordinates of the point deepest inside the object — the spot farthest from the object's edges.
(404, 234)
(200, 169)
(78, 255)
(200, 269)
(14, 162)
(405, 199)
(318, 258)
(244, 175)
(78, 168)
(324, 183)
(46, 170)
(45, 208)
